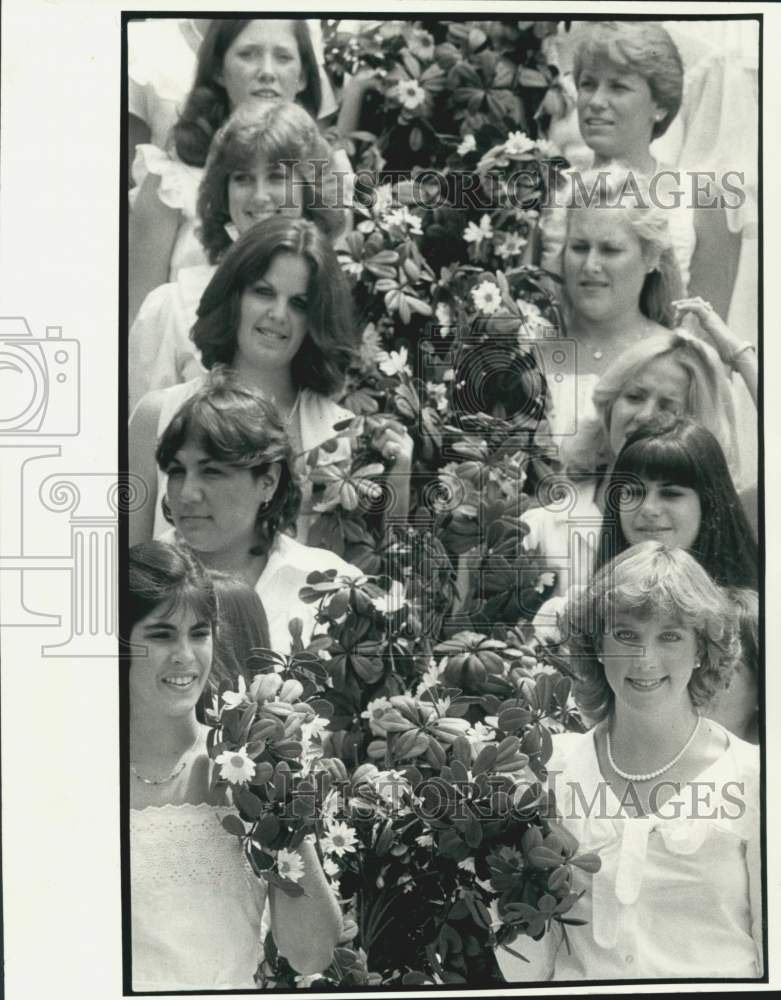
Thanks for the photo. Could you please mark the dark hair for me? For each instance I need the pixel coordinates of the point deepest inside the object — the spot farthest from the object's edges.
(746, 604)
(168, 575)
(649, 580)
(243, 627)
(236, 425)
(642, 47)
(681, 451)
(283, 134)
(328, 348)
(207, 104)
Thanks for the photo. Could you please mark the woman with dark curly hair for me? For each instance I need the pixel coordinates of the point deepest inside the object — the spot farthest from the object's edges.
(666, 797)
(239, 59)
(232, 497)
(268, 159)
(278, 312)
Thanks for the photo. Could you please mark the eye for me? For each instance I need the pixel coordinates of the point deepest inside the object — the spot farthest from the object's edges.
(633, 397)
(671, 636)
(241, 177)
(579, 247)
(299, 303)
(671, 492)
(202, 632)
(626, 636)
(213, 471)
(263, 290)
(174, 470)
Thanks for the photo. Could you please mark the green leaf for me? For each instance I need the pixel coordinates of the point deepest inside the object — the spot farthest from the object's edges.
(234, 825)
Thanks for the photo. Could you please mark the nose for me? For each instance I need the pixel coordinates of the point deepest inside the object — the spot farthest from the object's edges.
(598, 97)
(593, 261)
(183, 653)
(647, 410)
(650, 506)
(191, 490)
(277, 310)
(266, 64)
(260, 196)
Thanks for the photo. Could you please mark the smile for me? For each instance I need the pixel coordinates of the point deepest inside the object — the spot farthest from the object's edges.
(640, 685)
(272, 335)
(180, 681)
(597, 121)
(265, 93)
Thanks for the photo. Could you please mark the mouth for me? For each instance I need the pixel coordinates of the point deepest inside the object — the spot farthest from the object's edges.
(193, 519)
(597, 122)
(277, 338)
(654, 532)
(179, 682)
(265, 92)
(645, 685)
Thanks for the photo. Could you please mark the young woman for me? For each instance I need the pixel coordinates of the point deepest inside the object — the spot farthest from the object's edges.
(278, 312)
(232, 497)
(238, 60)
(196, 907)
(666, 797)
(268, 159)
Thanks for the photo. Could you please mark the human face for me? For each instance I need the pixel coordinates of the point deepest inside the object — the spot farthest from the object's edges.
(662, 512)
(662, 387)
(263, 61)
(616, 111)
(215, 505)
(170, 669)
(649, 661)
(604, 267)
(262, 190)
(273, 315)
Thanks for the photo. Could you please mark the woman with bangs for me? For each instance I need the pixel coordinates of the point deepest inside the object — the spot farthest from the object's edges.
(196, 907)
(229, 489)
(278, 312)
(239, 59)
(268, 159)
(667, 797)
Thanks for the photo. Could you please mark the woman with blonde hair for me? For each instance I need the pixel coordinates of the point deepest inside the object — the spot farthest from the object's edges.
(666, 796)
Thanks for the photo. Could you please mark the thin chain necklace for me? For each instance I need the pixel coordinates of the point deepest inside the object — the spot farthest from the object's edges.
(176, 771)
(651, 774)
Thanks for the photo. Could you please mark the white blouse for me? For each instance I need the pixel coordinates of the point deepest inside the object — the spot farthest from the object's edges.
(678, 894)
(196, 906)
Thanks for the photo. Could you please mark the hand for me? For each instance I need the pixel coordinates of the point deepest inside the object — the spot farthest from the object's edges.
(391, 439)
(719, 334)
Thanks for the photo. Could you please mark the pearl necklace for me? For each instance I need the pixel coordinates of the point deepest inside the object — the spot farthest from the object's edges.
(652, 774)
(176, 771)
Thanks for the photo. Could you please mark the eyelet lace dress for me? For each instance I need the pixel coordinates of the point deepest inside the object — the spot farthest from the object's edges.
(196, 907)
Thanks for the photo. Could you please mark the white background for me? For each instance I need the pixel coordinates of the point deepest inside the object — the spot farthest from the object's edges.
(59, 237)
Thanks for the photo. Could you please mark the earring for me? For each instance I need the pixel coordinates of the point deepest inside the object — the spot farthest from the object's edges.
(697, 664)
(658, 116)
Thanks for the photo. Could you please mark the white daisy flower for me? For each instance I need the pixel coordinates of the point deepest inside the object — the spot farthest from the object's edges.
(409, 93)
(425, 840)
(487, 297)
(403, 218)
(236, 766)
(339, 838)
(393, 363)
(391, 601)
(290, 865)
(512, 246)
(331, 868)
(234, 698)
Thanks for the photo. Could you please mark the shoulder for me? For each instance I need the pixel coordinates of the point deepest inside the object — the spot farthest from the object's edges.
(148, 410)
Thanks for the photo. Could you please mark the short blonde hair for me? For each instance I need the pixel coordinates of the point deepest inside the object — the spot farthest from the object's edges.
(650, 580)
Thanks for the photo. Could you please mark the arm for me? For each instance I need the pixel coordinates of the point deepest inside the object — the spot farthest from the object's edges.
(540, 955)
(306, 928)
(714, 263)
(728, 346)
(393, 441)
(142, 433)
(151, 237)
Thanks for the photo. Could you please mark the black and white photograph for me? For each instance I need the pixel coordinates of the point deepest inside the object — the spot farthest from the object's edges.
(384, 525)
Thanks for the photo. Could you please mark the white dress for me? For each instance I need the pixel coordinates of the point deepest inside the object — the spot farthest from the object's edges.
(679, 892)
(196, 906)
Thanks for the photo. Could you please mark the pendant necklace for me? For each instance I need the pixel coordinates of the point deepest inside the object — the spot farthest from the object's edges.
(651, 774)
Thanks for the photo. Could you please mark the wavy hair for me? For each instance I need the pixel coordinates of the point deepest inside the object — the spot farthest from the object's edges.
(649, 581)
(234, 424)
(207, 106)
(617, 189)
(243, 627)
(162, 575)
(283, 134)
(709, 399)
(681, 451)
(642, 47)
(329, 346)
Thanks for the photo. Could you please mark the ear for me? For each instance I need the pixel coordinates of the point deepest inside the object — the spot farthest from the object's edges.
(269, 481)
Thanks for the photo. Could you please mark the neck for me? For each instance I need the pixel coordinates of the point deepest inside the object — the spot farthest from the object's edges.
(274, 384)
(639, 159)
(238, 562)
(154, 737)
(610, 329)
(644, 741)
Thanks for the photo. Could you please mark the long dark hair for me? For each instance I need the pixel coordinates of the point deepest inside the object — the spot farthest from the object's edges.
(236, 425)
(169, 575)
(681, 451)
(207, 106)
(329, 345)
(243, 627)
